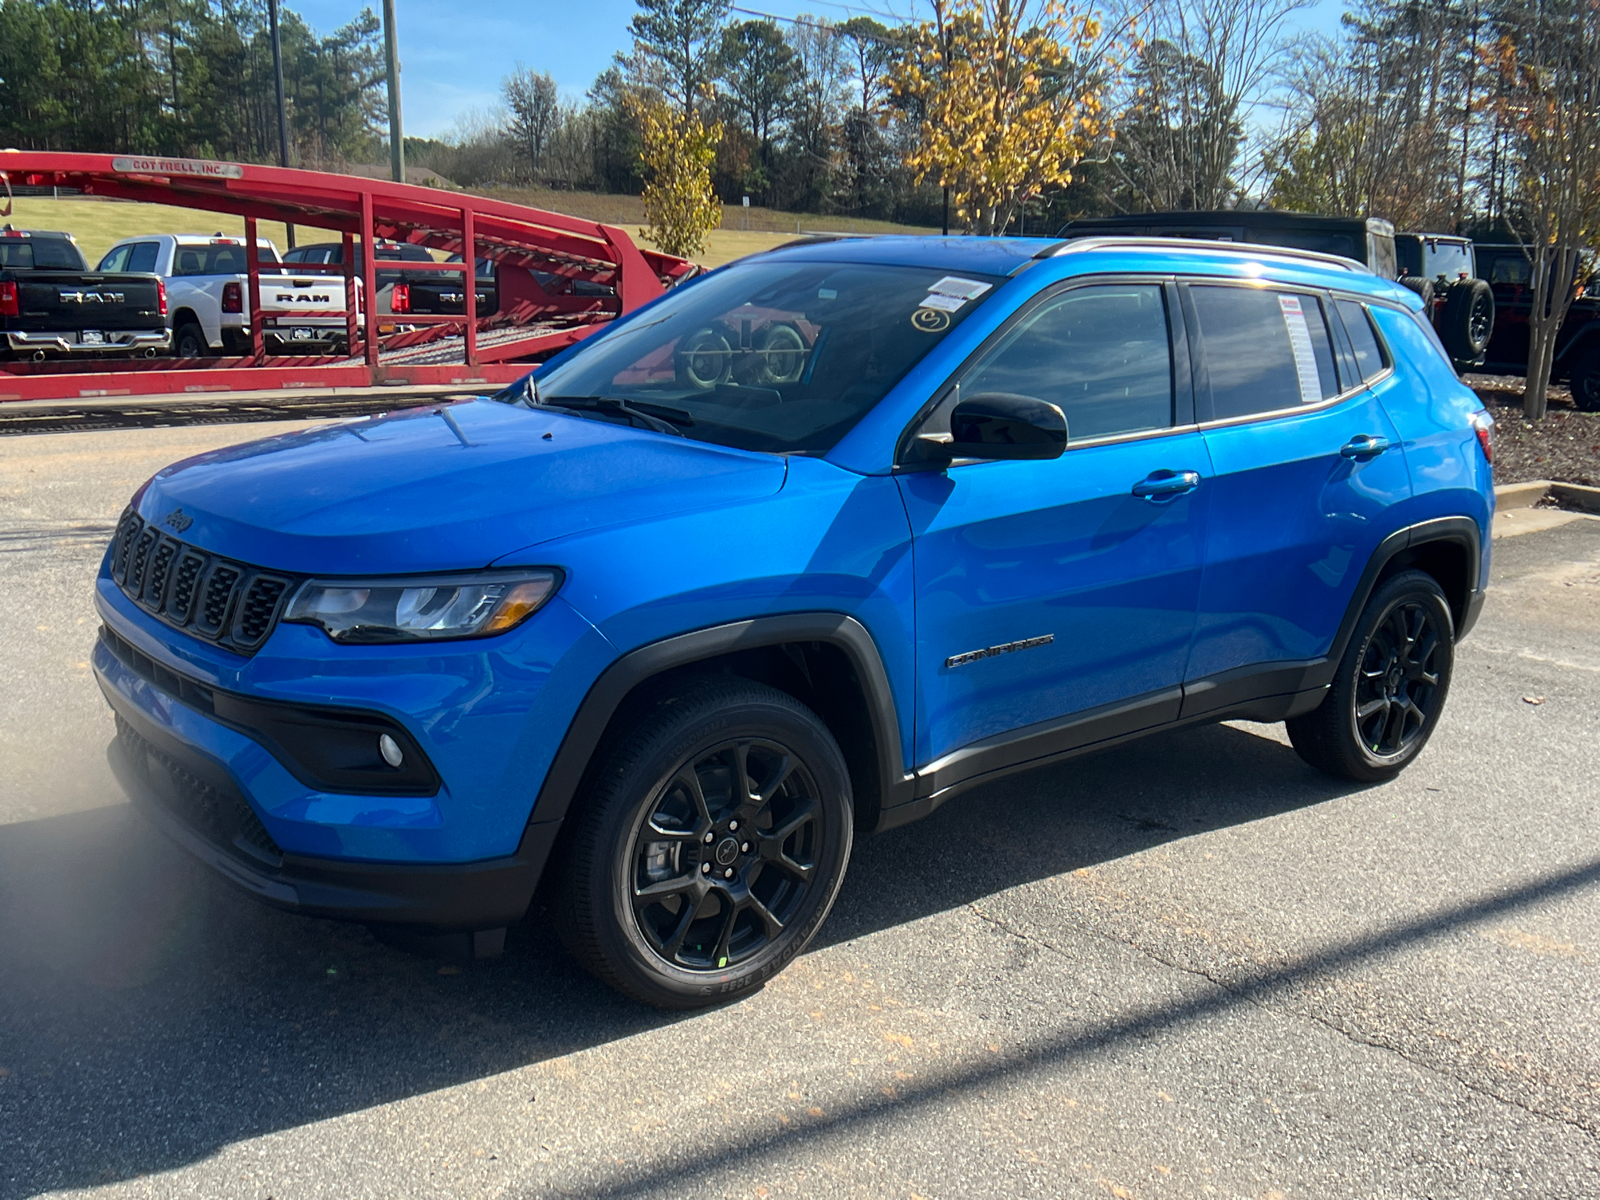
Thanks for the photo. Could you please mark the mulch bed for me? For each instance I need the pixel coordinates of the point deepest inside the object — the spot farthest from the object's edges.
(1564, 446)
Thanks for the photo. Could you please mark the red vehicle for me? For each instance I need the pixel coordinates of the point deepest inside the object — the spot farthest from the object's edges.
(574, 276)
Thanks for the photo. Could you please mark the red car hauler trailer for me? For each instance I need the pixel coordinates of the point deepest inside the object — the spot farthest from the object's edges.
(540, 257)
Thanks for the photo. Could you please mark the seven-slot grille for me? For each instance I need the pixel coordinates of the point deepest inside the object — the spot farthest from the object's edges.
(222, 601)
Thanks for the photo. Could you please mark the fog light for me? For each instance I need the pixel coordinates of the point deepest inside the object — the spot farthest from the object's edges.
(390, 749)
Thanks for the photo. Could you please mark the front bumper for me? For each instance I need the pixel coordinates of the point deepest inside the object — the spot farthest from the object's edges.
(116, 341)
(195, 803)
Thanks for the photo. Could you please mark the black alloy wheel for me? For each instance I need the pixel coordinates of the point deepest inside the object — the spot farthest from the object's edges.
(708, 847)
(725, 856)
(1389, 688)
(1480, 319)
(1398, 680)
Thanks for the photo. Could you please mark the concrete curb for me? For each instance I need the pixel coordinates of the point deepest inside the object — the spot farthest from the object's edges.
(1572, 496)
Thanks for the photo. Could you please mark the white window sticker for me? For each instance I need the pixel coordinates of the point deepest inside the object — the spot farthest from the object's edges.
(965, 289)
(942, 302)
(1305, 358)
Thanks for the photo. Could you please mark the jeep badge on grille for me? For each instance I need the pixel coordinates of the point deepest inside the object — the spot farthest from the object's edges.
(178, 519)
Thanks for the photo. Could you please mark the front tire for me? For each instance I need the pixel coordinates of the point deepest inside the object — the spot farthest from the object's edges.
(710, 846)
(1390, 686)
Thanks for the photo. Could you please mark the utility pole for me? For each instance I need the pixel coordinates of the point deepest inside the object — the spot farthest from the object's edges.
(391, 56)
(283, 111)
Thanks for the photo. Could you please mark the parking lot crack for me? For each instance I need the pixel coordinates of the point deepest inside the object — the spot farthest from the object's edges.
(1257, 992)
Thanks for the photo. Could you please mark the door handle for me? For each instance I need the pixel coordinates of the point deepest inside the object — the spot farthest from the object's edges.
(1364, 446)
(1166, 485)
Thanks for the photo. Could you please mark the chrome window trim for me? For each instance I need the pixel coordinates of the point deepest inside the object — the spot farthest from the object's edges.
(1279, 413)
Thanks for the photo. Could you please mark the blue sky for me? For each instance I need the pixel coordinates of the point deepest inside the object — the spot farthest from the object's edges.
(455, 52)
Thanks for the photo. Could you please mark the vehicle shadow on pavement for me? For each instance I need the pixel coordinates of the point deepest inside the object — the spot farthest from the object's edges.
(149, 1014)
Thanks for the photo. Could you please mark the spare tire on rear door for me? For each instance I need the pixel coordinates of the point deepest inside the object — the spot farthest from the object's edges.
(1422, 287)
(1467, 321)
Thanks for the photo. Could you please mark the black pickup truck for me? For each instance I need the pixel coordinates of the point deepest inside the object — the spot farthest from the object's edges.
(445, 292)
(53, 306)
(1438, 267)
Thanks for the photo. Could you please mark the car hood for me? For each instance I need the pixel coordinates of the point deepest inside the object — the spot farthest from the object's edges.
(445, 488)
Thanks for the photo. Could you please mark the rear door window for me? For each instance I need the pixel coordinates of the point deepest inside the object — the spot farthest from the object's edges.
(143, 256)
(1370, 360)
(1100, 354)
(1265, 349)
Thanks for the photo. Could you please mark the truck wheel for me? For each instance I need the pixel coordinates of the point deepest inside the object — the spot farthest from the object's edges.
(709, 848)
(1467, 321)
(1422, 287)
(705, 360)
(1390, 686)
(1586, 382)
(189, 341)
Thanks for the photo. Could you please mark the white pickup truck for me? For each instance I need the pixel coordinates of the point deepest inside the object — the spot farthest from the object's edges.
(208, 295)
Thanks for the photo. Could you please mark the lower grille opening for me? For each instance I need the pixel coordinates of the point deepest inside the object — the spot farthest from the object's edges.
(220, 817)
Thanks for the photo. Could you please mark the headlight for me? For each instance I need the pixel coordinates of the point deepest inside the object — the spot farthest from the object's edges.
(423, 609)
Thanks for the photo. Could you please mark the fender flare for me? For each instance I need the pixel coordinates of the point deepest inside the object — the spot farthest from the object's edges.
(607, 693)
(1461, 530)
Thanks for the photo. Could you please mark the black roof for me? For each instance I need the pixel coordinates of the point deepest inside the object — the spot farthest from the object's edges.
(1159, 224)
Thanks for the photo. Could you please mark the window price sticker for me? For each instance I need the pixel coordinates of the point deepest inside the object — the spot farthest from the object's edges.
(1305, 358)
(961, 289)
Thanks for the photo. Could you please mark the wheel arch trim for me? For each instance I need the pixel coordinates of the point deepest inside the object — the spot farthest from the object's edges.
(1462, 531)
(622, 677)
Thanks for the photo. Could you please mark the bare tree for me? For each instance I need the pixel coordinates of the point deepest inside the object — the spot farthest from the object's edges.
(1379, 124)
(1548, 63)
(1204, 64)
(535, 108)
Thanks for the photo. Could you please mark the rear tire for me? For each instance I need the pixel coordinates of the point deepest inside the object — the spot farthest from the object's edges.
(710, 846)
(189, 341)
(1389, 688)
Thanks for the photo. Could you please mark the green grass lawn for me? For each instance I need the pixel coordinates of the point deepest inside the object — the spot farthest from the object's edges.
(99, 224)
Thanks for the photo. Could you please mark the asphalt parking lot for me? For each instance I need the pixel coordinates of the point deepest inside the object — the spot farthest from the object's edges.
(1190, 967)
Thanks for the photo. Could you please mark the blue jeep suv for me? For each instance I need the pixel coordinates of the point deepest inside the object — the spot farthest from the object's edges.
(804, 548)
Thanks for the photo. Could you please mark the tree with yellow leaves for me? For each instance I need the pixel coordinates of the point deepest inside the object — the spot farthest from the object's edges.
(1008, 96)
(677, 151)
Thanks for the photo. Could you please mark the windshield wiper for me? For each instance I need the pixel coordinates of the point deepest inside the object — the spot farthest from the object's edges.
(657, 417)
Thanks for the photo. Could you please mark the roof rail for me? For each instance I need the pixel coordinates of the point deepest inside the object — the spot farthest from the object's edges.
(1256, 249)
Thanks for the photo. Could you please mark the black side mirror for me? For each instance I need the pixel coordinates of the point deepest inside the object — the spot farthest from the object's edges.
(1006, 426)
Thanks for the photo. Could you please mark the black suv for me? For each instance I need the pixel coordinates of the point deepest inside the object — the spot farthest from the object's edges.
(1438, 267)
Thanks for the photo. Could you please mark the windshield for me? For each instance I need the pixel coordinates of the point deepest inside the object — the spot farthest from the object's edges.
(777, 356)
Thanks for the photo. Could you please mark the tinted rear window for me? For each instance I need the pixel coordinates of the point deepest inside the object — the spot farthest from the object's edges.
(217, 260)
(1363, 338)
(143, 257)
(1265, 350)
(40, 254)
